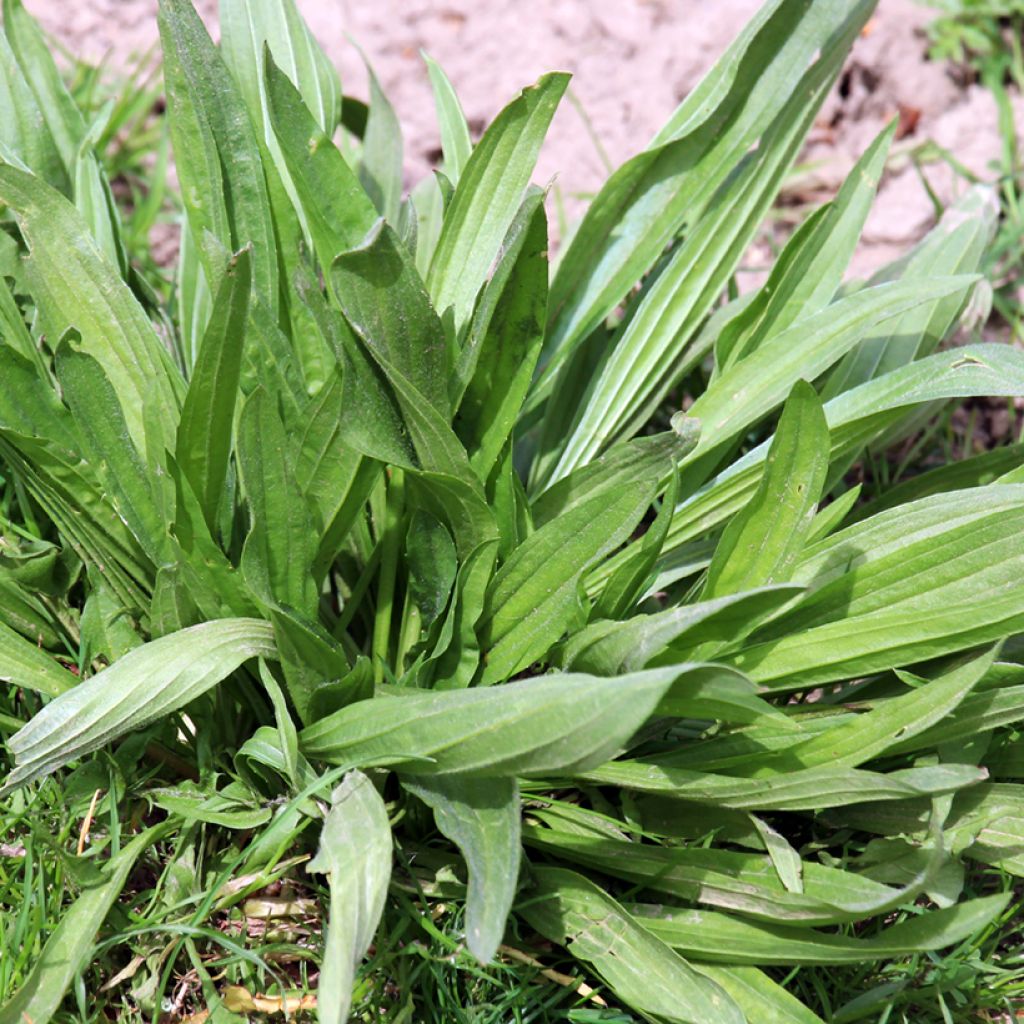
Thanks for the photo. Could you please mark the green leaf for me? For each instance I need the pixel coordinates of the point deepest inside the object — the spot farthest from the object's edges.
(25, 137)
(380, 167)
(760, 545)
(975, 471)
(715, 692)
(355, 851)
(855, 417)
(496, 365)
(216, 151)
(315, 666)
(109, 447)
(955, 246)
(287, 735)
(143, 686)
(70, 946)
(22, 663)
(277, 559)
(108, 629)
(431, 557)
(632, 463)
(212, 582)
(534, 596)
(762, 1000)
(606, 647)
(721, 938)
(740, 882)
(894, 720)
(810, 268)
(481, 816)
(529, 727)
(384, 300)
(456, 657)
(828, 519)
(72, 498)
(652, 351)
(455, 142)
(337, 209)
(95, 200)
(809, 789)
(203, 448)
(786, 860)
(567, 908)
(626, 583)
(246, 26)
(489, 192)
(333, 476)
(64, 122)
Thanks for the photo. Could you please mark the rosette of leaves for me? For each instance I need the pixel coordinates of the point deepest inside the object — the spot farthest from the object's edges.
(381, 529)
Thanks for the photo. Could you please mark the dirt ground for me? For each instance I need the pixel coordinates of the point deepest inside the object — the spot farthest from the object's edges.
(632, 61)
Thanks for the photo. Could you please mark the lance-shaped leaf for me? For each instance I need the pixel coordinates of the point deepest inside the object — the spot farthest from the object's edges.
(355, 852)
(337, 209)
(384, 300)
(216, 150)
(810, 268)
(489, 192)
(22, 663)
(742, 883)
(456, 144)
(752, 388)
(481, 816)
(496, 364)
(722, 938)
(278, 556)
(203, 447)
(760, 998)
(107, 445)
(529, 727)
(633, 462)
(246, 25)
(64, 122)
(141, 687)
(659, 342)
(534, 595)
(569, 909)
(380, 164)
(761, 544)
(24, 133)
(623, 586)
(809, 789)
(606, 647)
(892, 721)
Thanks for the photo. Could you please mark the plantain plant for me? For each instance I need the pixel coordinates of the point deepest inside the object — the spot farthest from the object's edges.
(385, 530)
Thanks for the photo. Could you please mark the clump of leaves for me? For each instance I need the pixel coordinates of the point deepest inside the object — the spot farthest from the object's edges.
(366, 540)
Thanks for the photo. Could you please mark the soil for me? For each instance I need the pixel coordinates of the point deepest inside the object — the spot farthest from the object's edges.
(632, 61)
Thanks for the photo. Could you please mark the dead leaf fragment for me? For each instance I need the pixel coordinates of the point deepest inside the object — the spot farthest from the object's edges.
(238, 999)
